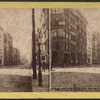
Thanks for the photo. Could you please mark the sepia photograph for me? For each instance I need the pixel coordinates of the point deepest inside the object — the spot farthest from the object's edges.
(75, 49)
(24, 63)
(50, 50)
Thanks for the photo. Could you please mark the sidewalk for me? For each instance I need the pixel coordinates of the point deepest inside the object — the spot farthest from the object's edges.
(78, 66)
(45, 83)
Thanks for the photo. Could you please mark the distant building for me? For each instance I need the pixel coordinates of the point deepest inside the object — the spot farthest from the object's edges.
(16, 56)
(8, 45)
(1, 47)
(69, 38)
(96, 48)
(89, 48)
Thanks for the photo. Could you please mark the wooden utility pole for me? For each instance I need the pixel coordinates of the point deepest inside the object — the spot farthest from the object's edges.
(50, 50)
(33, 46)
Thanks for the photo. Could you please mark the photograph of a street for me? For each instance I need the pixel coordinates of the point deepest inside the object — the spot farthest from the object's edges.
(50, 49)
(75, 50)
(24, 54)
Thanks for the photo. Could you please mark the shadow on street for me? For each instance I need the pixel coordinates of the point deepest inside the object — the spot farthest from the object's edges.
(14, 83)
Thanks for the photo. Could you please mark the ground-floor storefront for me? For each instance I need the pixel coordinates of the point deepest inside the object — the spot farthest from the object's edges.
(60, 58)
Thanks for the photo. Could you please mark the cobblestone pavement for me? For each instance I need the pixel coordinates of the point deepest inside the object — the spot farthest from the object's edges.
(15, 79)
(66, 79)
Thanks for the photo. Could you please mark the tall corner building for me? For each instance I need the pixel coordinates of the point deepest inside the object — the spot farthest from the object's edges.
(69, 37)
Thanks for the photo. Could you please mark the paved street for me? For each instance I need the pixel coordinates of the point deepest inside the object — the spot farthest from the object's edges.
(15, 79)
(87, 78)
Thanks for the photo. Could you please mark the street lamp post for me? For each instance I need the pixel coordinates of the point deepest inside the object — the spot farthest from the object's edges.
(39, 72)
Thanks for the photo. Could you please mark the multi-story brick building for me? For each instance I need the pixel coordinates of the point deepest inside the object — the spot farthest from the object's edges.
(8, 49)
(1, 47)
(43, 33)
(69, 38)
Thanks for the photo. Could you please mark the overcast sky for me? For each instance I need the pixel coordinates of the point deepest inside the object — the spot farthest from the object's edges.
(93, 17)
(18, 22)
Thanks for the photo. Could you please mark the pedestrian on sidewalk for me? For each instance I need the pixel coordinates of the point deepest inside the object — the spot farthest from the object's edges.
(43, 66)
(47, 66)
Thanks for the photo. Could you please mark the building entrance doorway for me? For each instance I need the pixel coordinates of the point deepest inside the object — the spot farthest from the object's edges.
(67, 59)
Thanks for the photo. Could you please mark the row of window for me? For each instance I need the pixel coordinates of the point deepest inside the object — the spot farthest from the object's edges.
(61, 33)
(58, 46)
(66, 46)
(73, 21)
(72, 14)
(57, 10)
(72, 38)
(59, 21)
